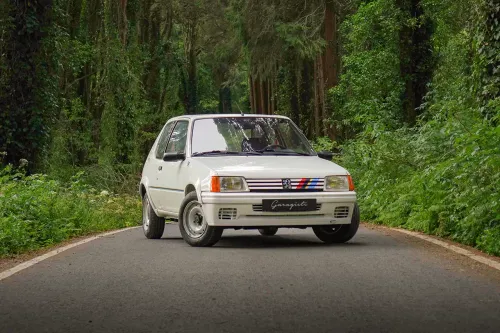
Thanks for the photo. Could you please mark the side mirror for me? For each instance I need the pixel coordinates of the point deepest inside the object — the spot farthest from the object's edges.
(326, 155)
(172, 157)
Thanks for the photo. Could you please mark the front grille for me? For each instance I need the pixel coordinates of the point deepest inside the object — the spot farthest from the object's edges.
(258, 208)
(341, 212)
(277, 184)
(282, 190)
(227, 213)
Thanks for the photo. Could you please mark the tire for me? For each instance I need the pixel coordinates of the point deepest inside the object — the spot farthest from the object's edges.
(152, 225)
(339, 233)
(193, 226)
(268, 231)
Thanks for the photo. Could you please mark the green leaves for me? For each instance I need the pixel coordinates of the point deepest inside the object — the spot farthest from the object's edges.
(440, 176)
(277, 29)
(368, 97)
(36, 211)
(298, 38)
(424, 182)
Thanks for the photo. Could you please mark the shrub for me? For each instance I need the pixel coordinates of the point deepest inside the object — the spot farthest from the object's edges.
(440, 175)
(36, 211)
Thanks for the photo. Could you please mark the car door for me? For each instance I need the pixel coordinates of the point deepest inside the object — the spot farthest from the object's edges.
(155, 166)
(170, 173)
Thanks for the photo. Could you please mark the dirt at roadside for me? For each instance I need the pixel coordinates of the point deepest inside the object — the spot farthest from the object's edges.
(9, 262)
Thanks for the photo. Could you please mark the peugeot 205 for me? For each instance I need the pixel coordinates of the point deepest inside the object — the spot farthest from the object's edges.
(216, 172)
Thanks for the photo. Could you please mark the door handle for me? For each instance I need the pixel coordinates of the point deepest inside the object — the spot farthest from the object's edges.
(160, 168)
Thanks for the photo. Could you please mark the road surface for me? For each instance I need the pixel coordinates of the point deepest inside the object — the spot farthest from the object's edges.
(380, 282)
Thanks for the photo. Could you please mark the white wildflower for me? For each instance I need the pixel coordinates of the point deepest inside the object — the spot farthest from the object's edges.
(23, 162)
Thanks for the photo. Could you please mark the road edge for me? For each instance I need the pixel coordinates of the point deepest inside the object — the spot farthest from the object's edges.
(22, 266)
(484, 260)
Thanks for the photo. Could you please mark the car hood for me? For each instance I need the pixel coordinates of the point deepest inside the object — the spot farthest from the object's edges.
(271, 166)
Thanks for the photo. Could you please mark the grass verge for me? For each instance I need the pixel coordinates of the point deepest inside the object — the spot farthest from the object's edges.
(37, 212)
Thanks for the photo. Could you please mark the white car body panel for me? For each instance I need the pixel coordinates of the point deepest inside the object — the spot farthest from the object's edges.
(167, 187)
(272, 166)
(246, 216)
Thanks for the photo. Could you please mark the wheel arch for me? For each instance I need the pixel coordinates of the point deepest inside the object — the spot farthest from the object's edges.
(189, 188)
(142, 190)
(193, 186)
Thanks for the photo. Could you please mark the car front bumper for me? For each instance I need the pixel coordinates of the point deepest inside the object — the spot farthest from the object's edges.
(244, 210)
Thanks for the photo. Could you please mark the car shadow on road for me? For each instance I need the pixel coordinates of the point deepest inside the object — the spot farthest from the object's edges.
(173, 238)
(257, 241)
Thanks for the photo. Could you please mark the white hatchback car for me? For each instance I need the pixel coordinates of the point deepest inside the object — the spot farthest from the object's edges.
(213, 172)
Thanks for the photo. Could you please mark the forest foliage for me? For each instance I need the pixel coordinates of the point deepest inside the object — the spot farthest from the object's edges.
(36, 211)
(407, 90)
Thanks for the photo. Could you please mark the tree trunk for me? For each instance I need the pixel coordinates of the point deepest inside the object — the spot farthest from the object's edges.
(307, 90)
(330, 56)
(225, 100)
(123, 23)
(23, 127)
(323, 114)
(252, 94)
(294, 89)
(269, 99)
(330, 64)
(275, 99)
(191, 87)
(415, 58)
(317, 102)
(262, 98)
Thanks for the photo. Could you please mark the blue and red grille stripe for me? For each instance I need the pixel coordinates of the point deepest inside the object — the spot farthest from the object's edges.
(308, 183)
(301, 183)
(313, 183)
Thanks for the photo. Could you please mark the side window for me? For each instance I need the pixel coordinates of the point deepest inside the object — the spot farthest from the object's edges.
(177, 142)
(162, 142)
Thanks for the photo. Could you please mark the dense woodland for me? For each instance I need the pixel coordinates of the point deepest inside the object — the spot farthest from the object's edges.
(407, 90)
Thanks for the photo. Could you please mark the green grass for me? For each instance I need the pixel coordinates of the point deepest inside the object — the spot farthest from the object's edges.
(36, 211)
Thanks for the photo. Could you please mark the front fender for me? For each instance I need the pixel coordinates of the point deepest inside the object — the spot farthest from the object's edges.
(144, 182)
(200, 176)
(203, 185)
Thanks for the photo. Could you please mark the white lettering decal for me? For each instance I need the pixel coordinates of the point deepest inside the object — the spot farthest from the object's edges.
(275, 204)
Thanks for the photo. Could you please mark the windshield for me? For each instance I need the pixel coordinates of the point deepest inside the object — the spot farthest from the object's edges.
(250, 135)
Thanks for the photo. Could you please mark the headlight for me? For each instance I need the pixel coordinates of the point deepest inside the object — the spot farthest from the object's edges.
(228, 184)
(339, 183)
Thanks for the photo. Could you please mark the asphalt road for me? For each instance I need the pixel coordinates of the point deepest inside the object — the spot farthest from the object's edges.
(380, 282)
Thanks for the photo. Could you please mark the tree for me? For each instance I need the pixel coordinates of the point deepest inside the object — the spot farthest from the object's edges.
(23, 121)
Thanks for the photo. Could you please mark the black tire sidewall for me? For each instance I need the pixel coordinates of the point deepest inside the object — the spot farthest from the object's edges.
(346, 232)
(268, 231)
(156, 223)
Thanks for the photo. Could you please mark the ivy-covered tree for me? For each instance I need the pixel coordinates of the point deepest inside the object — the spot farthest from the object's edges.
(25, 79)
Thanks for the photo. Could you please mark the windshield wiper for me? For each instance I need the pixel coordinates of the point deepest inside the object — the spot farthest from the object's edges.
(225, 152)
(301, 154)
(283, 152)
(216, 152)
(251, 152)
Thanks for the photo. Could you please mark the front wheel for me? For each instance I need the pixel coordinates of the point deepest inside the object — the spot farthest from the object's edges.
(268, 231)
(339, 233)
(193, 225)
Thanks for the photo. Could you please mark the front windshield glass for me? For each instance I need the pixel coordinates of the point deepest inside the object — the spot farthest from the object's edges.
(250, 135)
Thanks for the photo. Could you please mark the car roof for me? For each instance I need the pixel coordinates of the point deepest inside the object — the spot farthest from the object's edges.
(225, 115)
